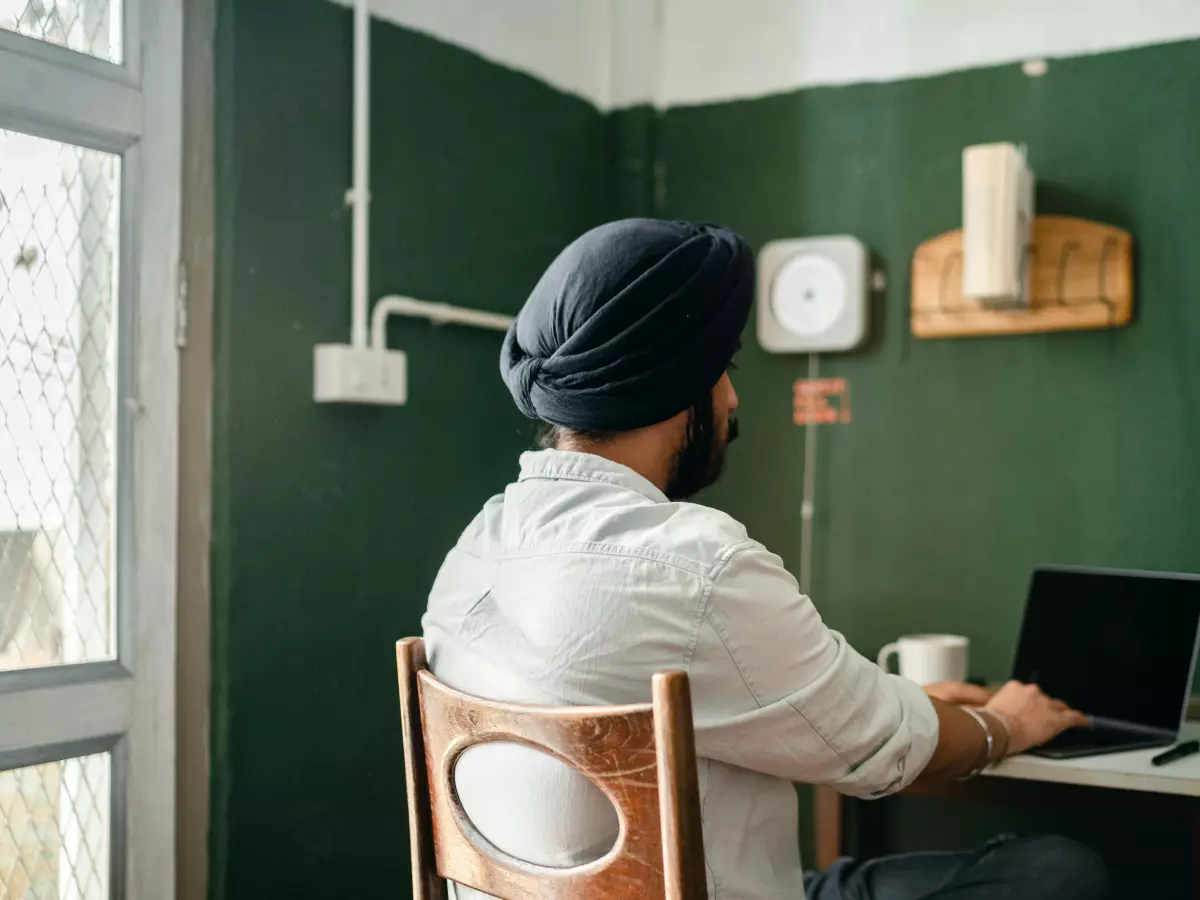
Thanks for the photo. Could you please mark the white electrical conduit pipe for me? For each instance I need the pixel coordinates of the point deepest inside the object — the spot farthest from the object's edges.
(359, 195)
(438, 313)
(359, 199)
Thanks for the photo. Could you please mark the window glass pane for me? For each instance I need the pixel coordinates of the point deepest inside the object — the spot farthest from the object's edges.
(55, 821)
(87, 26)
(58, 255)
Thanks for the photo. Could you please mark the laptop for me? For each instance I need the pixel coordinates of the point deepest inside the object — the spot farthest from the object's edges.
(1118, 646)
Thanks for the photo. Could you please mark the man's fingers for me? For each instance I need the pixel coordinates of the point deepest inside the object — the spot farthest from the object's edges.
(972, 695)
(1073, 718)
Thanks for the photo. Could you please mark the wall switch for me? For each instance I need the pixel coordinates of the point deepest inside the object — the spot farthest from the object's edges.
(346, 374)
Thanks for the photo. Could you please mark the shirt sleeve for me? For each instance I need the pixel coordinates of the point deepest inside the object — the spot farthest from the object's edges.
(775, 691)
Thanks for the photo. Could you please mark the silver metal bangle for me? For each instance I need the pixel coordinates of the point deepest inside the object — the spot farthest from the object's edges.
(987, 733)
(1003, 720)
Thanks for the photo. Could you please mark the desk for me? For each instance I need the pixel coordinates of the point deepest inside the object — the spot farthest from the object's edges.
(1120, 771)
(1100, 782)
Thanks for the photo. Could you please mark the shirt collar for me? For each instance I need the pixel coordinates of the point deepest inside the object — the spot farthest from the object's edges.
(567, 465)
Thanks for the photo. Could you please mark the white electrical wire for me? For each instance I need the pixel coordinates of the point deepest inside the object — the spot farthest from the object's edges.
(359, 195)
(438, 313)
(359, 198)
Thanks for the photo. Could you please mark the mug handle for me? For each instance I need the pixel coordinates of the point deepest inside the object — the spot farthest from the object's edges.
(888, 651)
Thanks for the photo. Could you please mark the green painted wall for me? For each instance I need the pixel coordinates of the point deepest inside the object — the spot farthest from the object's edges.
(331, 522)
(969, 462)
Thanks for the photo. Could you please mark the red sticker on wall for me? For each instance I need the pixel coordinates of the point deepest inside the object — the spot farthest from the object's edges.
(821, 401)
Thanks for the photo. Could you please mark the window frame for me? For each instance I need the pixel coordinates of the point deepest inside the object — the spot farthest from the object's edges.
(126, 706)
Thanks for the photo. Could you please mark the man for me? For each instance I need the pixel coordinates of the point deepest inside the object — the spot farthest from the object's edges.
(592, 572)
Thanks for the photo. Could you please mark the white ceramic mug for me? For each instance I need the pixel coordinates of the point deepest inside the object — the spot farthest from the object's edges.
(926, 658)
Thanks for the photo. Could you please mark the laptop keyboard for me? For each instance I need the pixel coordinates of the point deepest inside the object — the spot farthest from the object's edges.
(1081, 738)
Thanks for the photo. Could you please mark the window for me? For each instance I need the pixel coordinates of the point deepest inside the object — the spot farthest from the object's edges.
(89, 225)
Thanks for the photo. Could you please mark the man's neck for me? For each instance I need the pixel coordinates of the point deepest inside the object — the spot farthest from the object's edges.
(645, 451)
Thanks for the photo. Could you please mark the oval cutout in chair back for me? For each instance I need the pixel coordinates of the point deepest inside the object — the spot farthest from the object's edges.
(533, 806)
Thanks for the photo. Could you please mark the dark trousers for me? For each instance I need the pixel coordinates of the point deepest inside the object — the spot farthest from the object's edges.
(1034, 868)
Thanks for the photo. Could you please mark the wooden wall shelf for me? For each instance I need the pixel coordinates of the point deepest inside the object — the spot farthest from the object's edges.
(1082, 278)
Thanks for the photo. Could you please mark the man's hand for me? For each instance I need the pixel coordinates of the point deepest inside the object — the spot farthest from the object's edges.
(958, 693)
(1033, 717)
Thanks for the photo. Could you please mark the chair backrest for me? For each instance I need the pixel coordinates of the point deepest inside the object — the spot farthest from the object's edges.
(642, 757)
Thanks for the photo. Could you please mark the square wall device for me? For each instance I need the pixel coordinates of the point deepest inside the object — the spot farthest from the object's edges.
(812, 294)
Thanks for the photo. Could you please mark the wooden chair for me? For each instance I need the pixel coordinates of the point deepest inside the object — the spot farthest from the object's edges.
(642, 757)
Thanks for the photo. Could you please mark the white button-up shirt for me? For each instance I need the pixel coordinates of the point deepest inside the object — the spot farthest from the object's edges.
(581, 581)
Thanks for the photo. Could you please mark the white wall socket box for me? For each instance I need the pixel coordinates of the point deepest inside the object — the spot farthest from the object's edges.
(997, 217)
(346, 374)
(812, 294)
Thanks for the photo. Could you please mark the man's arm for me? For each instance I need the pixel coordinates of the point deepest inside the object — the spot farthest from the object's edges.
(1028, 718)
(776, 691)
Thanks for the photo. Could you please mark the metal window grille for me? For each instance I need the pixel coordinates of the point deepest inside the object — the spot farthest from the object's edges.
(58, 230)
(86, 26)
(54, 830)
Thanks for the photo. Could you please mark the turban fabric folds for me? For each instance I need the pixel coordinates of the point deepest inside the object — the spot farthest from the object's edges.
(630, 325)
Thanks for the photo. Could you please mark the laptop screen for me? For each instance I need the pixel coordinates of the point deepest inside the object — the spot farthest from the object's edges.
(1116, 644)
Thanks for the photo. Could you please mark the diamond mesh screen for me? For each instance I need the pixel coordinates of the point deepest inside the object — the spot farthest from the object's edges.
(58, 255)
(86, 26)
(55, 822)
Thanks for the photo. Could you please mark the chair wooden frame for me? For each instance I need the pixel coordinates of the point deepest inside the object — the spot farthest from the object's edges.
(642, 757)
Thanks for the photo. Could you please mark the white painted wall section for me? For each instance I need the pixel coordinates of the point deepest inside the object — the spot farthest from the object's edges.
(564, 43)
(636, 44)
(720, 50)
(617, 53)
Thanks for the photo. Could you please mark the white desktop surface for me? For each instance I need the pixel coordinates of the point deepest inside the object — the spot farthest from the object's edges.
(1124, 771)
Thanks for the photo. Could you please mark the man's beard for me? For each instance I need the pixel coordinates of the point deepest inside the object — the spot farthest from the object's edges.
(702, 457)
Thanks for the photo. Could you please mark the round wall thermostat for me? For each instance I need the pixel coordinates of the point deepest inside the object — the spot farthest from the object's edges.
(809, 294)
(812, 295)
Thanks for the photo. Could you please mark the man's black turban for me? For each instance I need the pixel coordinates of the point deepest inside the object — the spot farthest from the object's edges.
(631, 324)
